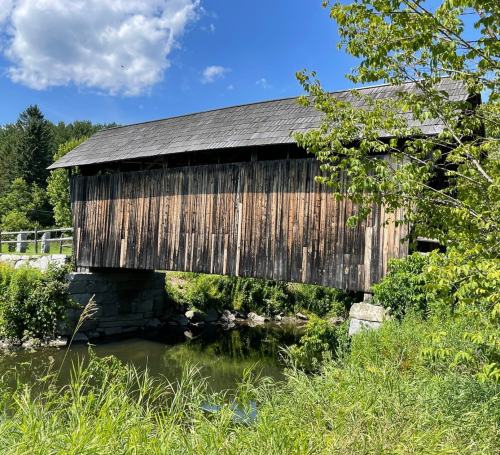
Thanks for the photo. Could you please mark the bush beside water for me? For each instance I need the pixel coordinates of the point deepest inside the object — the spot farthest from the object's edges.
(31, 301)
(403, 289)
(320, 343)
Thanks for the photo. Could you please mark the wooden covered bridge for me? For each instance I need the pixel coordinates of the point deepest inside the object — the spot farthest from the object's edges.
(226, 192)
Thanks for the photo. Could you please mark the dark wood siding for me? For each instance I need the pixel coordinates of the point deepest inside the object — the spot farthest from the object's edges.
(266, 219)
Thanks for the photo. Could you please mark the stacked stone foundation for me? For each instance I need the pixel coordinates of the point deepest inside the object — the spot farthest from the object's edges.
(124, 302)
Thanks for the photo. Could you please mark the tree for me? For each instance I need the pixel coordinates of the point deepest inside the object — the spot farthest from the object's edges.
(33, 154)
(28, 146)
(399, 41)
(23, 207)
(58, 186)
(63, 132)
(9, 138)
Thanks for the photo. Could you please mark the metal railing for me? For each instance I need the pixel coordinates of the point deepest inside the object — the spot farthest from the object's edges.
(42, 240)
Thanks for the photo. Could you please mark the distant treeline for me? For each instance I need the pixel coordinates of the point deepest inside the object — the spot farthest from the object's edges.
(27, 148)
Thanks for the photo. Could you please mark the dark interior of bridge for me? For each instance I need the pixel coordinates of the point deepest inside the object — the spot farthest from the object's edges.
(200, 158)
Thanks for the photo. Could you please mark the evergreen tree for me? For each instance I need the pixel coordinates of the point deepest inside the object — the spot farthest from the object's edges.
(9, 138)
(63, 133)
(34, 149)
(27, 148)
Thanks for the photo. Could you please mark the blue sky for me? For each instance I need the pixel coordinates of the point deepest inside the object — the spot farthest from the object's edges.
(136, 60)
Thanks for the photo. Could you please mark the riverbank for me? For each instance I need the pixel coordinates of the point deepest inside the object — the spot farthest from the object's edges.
(383, 396)
(241, 296)
(46, 308)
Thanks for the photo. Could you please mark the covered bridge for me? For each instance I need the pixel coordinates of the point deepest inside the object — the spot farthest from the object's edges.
(227, 192)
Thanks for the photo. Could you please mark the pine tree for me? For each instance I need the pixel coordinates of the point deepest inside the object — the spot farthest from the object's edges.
(9, 138)
(34, 151)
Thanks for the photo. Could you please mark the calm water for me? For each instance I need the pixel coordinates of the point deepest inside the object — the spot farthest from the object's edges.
(222, 354)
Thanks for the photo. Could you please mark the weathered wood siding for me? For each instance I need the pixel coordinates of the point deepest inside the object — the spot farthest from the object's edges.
(264, 219)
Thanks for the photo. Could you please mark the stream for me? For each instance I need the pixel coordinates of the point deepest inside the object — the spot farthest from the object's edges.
(222, 355)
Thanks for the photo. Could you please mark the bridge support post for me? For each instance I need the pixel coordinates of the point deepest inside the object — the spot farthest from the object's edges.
(124, 301)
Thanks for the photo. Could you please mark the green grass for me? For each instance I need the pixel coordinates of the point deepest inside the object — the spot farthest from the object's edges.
(384, 397)
(54, 249)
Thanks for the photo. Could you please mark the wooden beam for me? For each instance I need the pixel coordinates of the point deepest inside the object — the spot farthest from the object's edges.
(156, 162)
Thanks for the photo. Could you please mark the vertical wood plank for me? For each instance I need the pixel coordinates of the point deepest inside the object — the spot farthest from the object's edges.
(266, 219)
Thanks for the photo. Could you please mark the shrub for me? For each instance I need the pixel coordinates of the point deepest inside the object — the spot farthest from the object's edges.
(173, 295)
(322, 301)
(262, 296)
(208, 291)
(402, 289)
(320, 343)
(31, 301)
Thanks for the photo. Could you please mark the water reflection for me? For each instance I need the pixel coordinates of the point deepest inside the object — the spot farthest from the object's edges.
(222, 355)
(245, 414)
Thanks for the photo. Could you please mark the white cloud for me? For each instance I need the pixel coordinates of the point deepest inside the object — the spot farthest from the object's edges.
(118, 46)
(210, 73)
(212, 27)
(5, 9)
(263, 83)
(230, 87)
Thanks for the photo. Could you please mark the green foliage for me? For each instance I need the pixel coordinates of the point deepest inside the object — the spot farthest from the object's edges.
(251, 294)
(322, 301)
(384, 397)
(23, 207)
(9, 137)
(403, 289)
(16, 221)
(20, 197)
(445, 186)
(31, 301)
(33, 152)
(58, 186)
(27, 148)
(210, 291)
(320, 343)
(66, 132)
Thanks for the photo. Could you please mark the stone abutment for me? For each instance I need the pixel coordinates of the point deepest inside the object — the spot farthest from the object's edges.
(123, 302)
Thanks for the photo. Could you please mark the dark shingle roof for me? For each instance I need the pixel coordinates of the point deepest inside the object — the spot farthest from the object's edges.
(264, 123)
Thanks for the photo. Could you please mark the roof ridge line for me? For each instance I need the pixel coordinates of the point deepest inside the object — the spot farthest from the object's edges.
(245, 104)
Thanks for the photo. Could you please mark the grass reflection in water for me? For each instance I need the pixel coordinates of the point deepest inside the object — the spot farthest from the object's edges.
(222, 355)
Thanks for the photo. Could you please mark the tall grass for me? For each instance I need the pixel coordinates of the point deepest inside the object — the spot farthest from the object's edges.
(382, 397)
